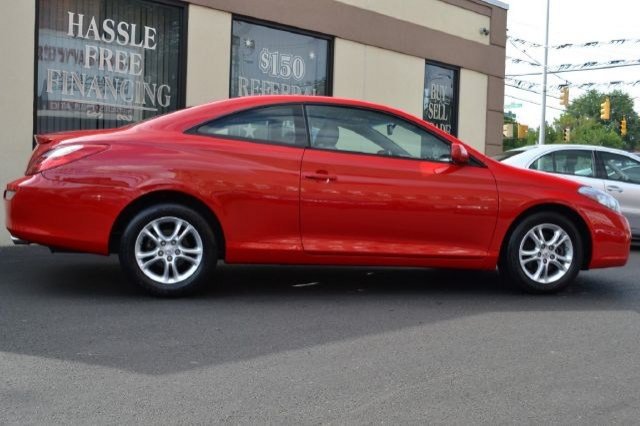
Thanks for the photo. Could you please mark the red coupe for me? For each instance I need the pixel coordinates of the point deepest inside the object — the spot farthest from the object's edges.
(305, 180)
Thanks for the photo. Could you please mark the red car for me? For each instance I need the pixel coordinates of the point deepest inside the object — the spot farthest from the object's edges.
(305, 180)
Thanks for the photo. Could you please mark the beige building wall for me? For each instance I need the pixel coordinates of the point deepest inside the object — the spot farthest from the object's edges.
(472, 112)
(434, 14)
(378, 75)
(16, 106)
(208, 55)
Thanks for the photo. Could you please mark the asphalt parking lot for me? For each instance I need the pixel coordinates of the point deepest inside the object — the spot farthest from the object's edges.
(283, 345)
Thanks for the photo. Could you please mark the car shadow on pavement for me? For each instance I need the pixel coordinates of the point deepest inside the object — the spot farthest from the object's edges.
(80, 308)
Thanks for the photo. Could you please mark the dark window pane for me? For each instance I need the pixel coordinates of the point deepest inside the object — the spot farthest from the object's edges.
(621, 168)
(578, 163)
(279, 124)
(106, 63)
(544, 163)
(370, 132)
(440, 97)
(267, 61)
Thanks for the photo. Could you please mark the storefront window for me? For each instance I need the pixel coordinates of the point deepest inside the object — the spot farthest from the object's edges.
(267, 61)
(105, 63)
(441, 97)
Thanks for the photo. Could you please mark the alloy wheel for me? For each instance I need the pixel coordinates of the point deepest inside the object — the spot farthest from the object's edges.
(168, 250)
(546, 253)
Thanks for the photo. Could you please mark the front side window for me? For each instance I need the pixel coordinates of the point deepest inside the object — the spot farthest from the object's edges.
(370, 132)
(621, 168)
(270, 61)
(283, 125)
(571, 162)
(107, 63)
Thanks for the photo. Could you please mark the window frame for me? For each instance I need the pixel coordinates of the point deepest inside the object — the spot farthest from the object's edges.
(302, 144)
(602, 170)
(456, 92)
(181, 90)
(473, 161)
(282, 27)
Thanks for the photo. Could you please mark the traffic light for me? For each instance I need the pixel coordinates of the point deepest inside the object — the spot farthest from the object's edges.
(566, 134)
(564, 96)
(605, 109)
(522, 131)
(623, 127)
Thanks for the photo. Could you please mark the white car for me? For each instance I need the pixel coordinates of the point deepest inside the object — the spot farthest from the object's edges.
(612, 170)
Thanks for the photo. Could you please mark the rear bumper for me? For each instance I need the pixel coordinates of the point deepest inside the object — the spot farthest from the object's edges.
(61, 215)
(19, 242)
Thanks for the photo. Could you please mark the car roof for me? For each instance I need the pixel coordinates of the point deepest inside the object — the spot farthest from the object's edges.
(563, 146)
(525, 155)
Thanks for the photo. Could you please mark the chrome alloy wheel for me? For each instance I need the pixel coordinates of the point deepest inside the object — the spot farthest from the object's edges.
(168, 250)
(546, 253)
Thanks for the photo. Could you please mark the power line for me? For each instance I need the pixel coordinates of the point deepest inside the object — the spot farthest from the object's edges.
(530, 90)
(586, 85)
(617, 42)
(535, 61)
(553, 72)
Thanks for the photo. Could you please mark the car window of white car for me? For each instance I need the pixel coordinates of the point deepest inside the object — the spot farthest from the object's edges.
(621, 168)
(567, 162)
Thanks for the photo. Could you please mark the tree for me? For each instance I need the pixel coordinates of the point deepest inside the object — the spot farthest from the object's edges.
(551, 136)
(582, 116)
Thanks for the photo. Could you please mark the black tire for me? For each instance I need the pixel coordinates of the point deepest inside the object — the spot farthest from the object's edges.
(195, 255)
(522, 276)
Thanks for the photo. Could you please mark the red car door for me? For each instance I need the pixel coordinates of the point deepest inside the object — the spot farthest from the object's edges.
(253, 159)
(375, 184)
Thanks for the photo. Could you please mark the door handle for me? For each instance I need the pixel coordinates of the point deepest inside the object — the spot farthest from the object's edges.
(613, 188)
(320, 176)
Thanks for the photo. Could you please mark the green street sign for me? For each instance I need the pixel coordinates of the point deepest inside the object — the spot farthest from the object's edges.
(512, 106)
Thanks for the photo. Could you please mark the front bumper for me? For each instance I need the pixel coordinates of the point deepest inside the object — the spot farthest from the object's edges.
(611, 237)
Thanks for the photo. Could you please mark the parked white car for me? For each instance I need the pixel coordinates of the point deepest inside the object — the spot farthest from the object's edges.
(612, 170)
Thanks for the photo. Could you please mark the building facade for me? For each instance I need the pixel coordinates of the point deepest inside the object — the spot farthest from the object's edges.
(87, 64)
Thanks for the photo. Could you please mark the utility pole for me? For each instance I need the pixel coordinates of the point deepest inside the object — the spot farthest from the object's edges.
(543, 125)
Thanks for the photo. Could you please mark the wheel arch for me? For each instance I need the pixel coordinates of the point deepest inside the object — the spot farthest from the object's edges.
(166, 196)
(564, 210)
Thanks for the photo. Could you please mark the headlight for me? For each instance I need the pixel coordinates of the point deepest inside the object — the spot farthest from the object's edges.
(601, 197)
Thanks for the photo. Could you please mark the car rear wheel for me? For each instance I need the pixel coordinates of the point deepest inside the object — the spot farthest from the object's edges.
(544, 253)
(169, 250)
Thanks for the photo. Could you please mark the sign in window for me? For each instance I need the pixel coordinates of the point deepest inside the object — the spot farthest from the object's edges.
(270, 61)
(105, 63)
(440, 105)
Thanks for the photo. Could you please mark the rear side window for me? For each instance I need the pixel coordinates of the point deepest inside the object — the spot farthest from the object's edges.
(570, 162)
(283, 125)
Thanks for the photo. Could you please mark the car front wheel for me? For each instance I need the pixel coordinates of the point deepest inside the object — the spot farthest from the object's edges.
(544, 253)
(169, 250)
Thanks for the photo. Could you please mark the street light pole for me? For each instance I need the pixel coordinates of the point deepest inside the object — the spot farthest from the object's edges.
(543, 125)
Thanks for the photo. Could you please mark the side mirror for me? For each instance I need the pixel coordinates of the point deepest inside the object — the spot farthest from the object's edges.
(459, 154)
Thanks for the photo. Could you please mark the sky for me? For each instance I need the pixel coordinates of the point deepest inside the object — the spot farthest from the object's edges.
(570, 21)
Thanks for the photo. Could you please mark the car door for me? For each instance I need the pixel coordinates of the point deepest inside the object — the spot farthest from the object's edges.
(376, 184)
(253, 162)
(621, 175)
(574, 164)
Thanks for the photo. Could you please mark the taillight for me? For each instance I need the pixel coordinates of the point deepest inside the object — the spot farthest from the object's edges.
(62, 154)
